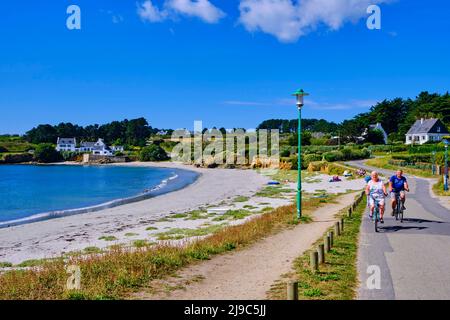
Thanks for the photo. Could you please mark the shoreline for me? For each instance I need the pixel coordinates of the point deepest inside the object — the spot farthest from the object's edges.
(165, 186)
(54, 237)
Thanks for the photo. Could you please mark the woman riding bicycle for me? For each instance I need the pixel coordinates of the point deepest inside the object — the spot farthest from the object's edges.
(376, 191)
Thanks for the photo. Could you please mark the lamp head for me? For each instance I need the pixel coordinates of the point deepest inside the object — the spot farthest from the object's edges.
(300, 94)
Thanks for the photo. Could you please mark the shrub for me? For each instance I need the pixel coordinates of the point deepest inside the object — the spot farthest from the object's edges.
(153, 153)
(69, 155)
(3, 149)
(17, 158)
(46, 153)
(285, 152)
(308, 158)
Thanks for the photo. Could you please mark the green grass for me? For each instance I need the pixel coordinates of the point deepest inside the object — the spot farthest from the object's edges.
(249, 207)
(273, 192)
(337, 278)
(131, 234)
(151, 228)
(5, 264)
(233, 215)
(33, 263)
(92, 250)
(197, 215)
(15, 144)
(140, 243)
(241, 199)
(438, 188)
(108, 238)
(179, 215)
(383, 163)
(181, 233)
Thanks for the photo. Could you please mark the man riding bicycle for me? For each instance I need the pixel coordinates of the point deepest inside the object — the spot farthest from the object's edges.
(397, 187)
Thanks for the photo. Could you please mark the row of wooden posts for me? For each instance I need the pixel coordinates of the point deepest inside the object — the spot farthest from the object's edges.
(317, 257)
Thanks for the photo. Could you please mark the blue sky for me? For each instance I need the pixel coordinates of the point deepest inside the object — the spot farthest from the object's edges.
(174, 62)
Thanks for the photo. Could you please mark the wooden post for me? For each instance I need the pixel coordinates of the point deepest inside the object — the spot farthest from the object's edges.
(337, 229)
(292, 290)
(321, 253)
(327, 243)
(331, 235)
(342, 225)
(314, 261)
(350, 212)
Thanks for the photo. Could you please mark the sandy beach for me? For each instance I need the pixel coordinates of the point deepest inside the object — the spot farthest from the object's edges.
(51, 238)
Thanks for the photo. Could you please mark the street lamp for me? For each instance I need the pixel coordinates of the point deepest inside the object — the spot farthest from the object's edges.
(299, 94)
(446, 166)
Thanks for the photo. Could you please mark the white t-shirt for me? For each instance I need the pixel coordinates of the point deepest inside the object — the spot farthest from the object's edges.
(376, 188)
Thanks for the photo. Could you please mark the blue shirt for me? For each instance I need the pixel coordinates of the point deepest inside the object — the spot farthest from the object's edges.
(398, 184)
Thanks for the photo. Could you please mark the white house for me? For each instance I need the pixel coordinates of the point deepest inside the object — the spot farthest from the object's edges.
(97, 148)
(425, 130)
(66, 144)
(101, 149)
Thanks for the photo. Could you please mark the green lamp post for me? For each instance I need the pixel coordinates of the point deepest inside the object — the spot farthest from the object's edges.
(446, 166)
(299, 94)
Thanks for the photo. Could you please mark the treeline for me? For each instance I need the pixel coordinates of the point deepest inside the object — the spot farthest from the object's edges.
(396, 116)
(291, 126)
(127, 132)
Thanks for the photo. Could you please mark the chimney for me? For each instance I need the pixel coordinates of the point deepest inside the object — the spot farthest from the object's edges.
(421, 120)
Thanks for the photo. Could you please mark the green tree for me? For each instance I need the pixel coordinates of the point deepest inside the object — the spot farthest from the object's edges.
(153, 153)
(375, 137)
(46, 153)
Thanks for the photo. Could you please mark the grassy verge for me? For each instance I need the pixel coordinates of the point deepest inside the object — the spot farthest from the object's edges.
(384, 164)
(337, 278)
(116, 273)
(438, 188)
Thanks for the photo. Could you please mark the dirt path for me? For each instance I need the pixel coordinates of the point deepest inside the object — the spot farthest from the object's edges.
(247, 274)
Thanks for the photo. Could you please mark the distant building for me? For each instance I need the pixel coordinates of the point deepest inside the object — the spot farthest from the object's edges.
(97, 148)
(66, 144)
(101, 149)
(425, 130)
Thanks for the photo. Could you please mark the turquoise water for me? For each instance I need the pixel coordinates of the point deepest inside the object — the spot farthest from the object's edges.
(29, 190)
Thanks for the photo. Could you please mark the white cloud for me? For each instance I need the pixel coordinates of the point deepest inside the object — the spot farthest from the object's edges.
(352, 104)
(202, 9)
(288, 20)
(149, 12)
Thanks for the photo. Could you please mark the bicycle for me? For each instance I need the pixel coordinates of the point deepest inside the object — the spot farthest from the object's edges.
(376, 213)
(398, 212)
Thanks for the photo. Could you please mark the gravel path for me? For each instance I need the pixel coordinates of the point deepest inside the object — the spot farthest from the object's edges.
(247, 274)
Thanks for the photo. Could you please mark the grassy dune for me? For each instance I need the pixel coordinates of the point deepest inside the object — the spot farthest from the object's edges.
(120, 271)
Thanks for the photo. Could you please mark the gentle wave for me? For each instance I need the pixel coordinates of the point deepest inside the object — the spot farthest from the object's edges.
(147, 194)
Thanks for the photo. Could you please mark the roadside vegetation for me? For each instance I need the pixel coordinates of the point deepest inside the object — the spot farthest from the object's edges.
(337, 278)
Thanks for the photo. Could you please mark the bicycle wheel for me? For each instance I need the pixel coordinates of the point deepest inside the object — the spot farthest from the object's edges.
(401, 215)
(376, 219)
